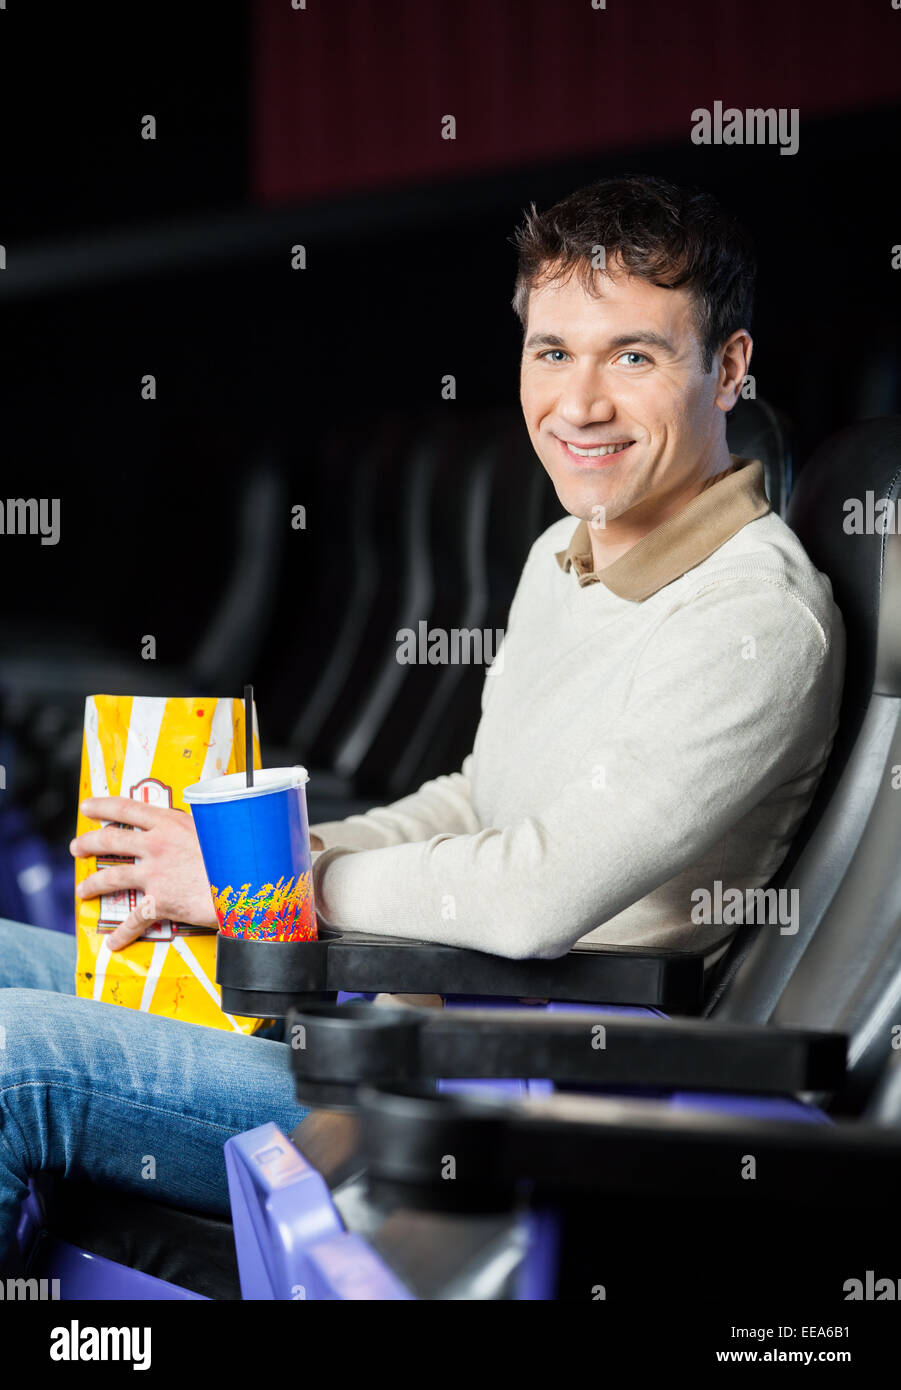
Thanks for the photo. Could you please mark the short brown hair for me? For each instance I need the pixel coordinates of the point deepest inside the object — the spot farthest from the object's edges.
(670, 236)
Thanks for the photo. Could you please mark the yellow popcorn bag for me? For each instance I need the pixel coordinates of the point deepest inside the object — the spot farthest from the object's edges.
(150, 749)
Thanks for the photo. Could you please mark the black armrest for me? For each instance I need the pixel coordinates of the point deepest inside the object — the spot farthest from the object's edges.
(337, 1048)
(263, 979)
(573, 1145)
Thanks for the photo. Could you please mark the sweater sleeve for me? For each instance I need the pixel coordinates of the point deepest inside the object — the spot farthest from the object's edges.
(731, 696)
(442, 804)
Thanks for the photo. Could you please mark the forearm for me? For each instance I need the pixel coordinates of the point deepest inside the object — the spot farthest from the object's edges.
(441, 806)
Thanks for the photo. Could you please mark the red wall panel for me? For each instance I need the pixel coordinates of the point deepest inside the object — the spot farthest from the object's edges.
(349, 94)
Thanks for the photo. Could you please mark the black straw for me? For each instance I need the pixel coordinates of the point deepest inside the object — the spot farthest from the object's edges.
(248, 734)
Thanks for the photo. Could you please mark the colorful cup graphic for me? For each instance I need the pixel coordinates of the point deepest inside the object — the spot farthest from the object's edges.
(255, 843)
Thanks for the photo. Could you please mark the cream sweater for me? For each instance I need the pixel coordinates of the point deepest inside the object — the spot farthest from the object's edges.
(630, 749)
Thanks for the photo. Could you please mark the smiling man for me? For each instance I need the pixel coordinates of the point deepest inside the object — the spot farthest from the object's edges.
(672, 664)
(669, 694)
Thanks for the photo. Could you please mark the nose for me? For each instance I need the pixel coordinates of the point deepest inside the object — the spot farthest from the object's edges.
(585, 399)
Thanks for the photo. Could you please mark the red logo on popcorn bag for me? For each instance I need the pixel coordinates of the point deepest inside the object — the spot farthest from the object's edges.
(115, 907)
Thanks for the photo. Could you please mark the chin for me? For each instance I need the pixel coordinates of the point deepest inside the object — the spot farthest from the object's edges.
(580, 502)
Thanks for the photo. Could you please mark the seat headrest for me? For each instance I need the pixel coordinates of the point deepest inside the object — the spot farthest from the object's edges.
(756, 430)
(845, 510)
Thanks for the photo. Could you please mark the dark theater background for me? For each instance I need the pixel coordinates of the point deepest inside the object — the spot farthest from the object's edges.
(281, 388)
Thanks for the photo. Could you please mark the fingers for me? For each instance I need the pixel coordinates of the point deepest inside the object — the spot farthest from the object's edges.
(122, 808)
(110, 839)
(135, 923)
(111, 880)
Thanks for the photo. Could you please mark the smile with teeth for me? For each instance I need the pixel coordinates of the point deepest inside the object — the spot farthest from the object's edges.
(600, 450)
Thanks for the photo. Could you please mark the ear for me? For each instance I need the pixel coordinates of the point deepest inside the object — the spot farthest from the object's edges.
(731, 365)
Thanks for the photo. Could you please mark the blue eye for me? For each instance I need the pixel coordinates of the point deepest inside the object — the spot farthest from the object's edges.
(630, 353)
(550, 350)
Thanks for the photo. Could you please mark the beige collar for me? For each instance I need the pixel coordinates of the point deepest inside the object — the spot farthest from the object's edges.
(680, 542)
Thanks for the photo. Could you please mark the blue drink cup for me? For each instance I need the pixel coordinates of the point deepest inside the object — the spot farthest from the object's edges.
(255, 843)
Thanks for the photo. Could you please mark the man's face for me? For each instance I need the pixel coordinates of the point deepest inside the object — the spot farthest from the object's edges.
(623, 369)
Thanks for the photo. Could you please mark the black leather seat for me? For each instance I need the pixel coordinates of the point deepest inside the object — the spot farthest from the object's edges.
(185, 1248)
(757, 430)
(835, 854)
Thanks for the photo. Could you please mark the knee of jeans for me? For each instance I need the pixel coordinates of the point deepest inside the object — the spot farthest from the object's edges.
(24, 1029)
(14, 1013)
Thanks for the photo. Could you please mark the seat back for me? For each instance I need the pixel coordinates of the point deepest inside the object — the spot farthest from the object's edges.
(757, 430)
(885, 1104)
(843, 862)
(510, 501)
(367, 549)
(440, 479)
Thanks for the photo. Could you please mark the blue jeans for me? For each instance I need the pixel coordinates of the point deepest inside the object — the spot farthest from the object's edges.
(95, 1091)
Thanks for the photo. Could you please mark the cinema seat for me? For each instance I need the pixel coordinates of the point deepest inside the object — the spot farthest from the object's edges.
(755, 429)
(590, 1197)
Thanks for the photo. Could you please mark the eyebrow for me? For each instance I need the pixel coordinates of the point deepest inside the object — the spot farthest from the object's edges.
(644, 337)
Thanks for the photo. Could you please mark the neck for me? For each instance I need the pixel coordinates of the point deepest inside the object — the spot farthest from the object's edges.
(621, 534)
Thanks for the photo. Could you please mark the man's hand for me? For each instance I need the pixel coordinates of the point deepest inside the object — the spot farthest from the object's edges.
(168, 867)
